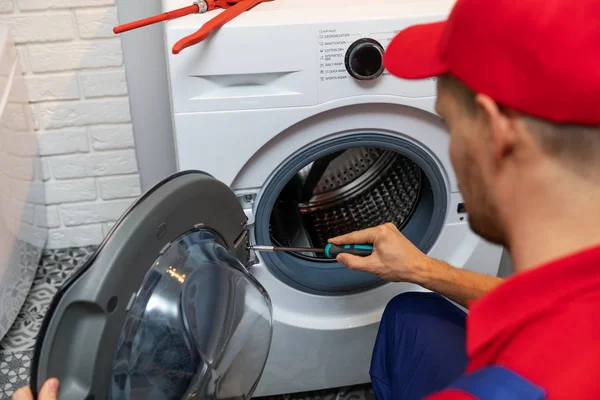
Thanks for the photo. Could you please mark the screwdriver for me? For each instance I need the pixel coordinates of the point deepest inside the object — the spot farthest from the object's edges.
(330, 251)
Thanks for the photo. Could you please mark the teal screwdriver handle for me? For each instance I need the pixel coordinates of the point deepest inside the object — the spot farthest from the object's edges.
(362, 250)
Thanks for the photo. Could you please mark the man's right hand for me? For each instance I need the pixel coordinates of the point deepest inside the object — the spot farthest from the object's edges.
(394, 257)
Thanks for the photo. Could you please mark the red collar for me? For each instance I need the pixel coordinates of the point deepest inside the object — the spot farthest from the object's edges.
(525, 295)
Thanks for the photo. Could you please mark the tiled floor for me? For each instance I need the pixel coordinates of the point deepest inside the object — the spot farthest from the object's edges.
(16, 348)
(14, 372)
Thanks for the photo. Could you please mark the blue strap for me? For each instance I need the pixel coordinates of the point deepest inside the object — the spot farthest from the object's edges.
(498, 383)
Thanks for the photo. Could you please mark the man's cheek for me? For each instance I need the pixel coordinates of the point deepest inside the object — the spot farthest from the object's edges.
(458, 159)
(454, 152)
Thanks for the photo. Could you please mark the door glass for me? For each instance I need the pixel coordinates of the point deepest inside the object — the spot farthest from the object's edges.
(199, 327)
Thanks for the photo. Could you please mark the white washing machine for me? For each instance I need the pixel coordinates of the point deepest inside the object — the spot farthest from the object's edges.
(290, 106)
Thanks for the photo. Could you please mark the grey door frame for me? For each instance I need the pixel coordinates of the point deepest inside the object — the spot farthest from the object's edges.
(145, 60)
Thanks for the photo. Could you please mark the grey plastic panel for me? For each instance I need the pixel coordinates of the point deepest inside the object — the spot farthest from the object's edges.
(79, 336)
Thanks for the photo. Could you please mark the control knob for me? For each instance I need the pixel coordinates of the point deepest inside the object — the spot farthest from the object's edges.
(364, 59)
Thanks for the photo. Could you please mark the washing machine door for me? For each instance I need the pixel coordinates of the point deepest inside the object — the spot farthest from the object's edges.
(165, 308)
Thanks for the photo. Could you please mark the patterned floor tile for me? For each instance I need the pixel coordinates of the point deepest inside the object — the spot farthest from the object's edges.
(55, 267)
(14, 372)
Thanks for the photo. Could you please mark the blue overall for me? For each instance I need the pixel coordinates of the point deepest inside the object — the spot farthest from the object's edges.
(420, 349)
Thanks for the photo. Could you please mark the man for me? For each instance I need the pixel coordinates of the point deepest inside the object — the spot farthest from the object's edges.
(519, 88)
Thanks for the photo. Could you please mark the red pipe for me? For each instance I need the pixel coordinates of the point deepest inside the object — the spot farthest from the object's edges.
(157, 18)
(214, 24)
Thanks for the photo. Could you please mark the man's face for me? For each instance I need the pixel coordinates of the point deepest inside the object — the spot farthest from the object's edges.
(471, 158)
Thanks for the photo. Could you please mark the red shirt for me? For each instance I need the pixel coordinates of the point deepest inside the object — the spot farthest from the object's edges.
(543, 324)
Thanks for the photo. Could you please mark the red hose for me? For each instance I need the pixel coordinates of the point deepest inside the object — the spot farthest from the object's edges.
(157, 18)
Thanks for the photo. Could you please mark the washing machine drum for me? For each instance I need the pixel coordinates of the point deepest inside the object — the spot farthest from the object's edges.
(165, 309)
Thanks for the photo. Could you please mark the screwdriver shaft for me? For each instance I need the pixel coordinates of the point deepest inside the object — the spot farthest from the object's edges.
(294, 249)
(330, 251)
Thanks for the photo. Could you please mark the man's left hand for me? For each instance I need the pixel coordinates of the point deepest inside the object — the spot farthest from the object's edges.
(49, 391)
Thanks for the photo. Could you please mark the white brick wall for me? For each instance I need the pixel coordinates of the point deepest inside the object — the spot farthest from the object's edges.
(73, 66)
(83, 54)
(48, 87)
(94, 23)
(7, 6)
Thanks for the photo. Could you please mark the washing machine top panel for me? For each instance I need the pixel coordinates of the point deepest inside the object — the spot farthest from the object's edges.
(165, 308)
(311, 11)
(291, 53)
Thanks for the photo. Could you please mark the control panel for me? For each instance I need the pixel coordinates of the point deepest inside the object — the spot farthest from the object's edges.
(350, 62)
(345, 55)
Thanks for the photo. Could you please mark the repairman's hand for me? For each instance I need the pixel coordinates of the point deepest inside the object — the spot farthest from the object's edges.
(394, 257)
(49, 392)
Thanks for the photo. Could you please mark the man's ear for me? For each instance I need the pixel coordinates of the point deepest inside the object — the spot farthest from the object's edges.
(501, 138)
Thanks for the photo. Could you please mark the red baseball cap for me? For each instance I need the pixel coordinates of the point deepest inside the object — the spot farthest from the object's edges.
(540, 57)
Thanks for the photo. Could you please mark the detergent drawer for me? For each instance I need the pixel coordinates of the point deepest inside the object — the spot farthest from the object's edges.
(243, 67)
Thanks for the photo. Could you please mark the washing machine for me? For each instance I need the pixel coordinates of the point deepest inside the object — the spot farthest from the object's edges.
(290, 106)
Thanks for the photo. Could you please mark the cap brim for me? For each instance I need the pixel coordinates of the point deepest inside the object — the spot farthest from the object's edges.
(415, 52)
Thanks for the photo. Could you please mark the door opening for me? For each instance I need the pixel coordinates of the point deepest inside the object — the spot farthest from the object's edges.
(336, 186)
